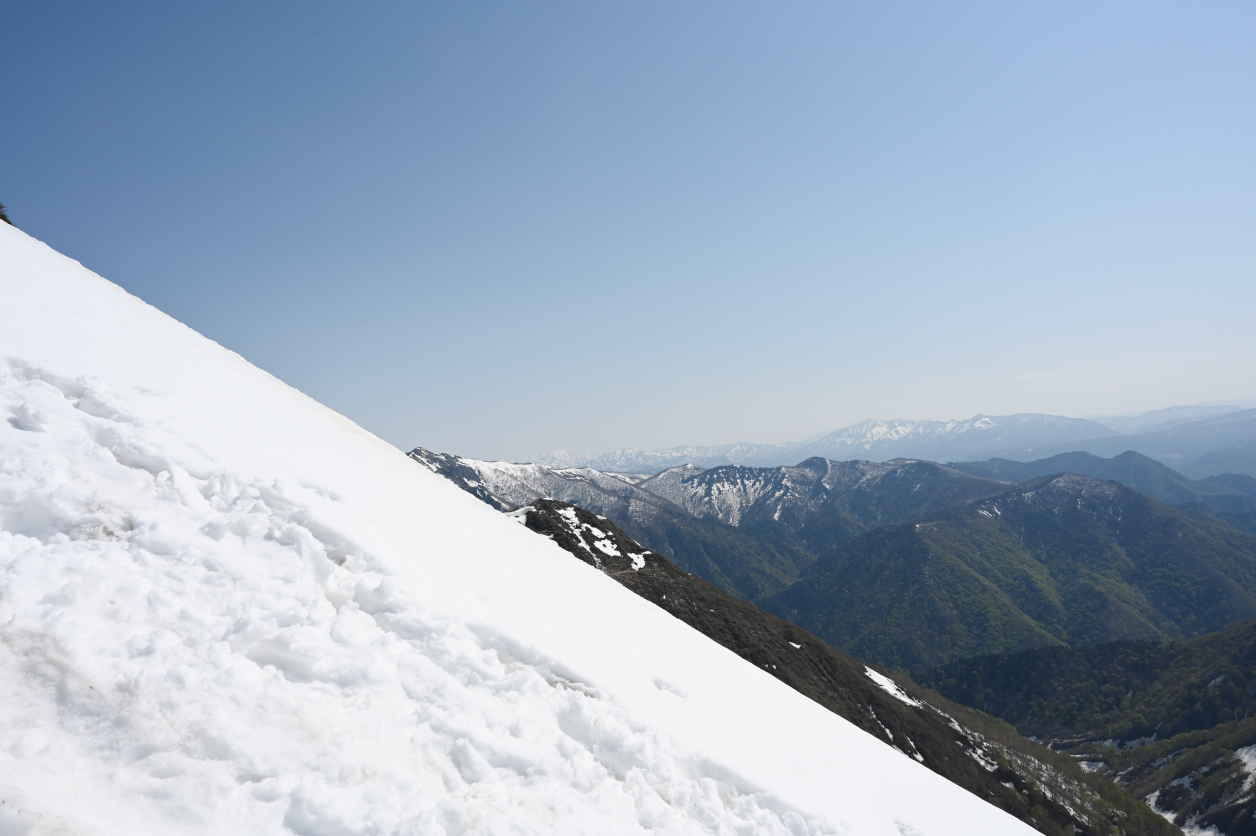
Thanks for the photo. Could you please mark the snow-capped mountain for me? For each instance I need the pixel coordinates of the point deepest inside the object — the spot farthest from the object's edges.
(870, 440)
(226, 609)
(872, 493)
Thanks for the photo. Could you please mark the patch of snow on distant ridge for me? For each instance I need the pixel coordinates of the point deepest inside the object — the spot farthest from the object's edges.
(890, 687)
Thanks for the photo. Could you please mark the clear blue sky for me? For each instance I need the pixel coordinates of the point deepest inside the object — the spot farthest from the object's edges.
(500, 229)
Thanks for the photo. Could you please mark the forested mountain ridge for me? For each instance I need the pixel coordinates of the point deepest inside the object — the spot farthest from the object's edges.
(1059, 560)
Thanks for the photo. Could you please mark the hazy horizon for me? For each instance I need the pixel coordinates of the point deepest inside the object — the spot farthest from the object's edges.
(1240, 404)
(499, 230)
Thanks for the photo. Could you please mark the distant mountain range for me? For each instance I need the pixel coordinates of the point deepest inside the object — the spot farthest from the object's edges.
(1196, 441)
(868, 440)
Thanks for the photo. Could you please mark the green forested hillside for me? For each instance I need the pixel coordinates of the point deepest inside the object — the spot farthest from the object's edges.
(1242, 522)
(1061, 560)
(1171, 721)
(1121, 690)
(748, 564)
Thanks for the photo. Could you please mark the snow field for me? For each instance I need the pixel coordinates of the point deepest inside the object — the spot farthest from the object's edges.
(202, 641)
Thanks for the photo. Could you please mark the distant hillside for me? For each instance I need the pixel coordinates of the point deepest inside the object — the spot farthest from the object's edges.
(1044, 789)
(1162, 419)
(1240, 482)
(1232, 493)
(1238, 457)
(1058, 560)
(1208, 446)
(1170, 721)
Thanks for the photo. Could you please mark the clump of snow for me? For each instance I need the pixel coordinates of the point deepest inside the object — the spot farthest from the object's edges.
(227, 609)
(607, 548)
(520, 515)
(890, 687)
(1246, 756)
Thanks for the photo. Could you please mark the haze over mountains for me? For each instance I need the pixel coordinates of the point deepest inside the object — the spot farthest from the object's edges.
(1197, 441)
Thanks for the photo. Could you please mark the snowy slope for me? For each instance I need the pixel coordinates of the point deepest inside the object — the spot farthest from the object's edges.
(226, 609)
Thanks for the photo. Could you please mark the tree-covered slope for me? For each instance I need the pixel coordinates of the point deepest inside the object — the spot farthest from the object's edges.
(1059, 560)
(1118, 690)
(1170, 720)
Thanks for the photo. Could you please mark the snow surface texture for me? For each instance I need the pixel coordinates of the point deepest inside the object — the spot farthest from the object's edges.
(227, 609)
